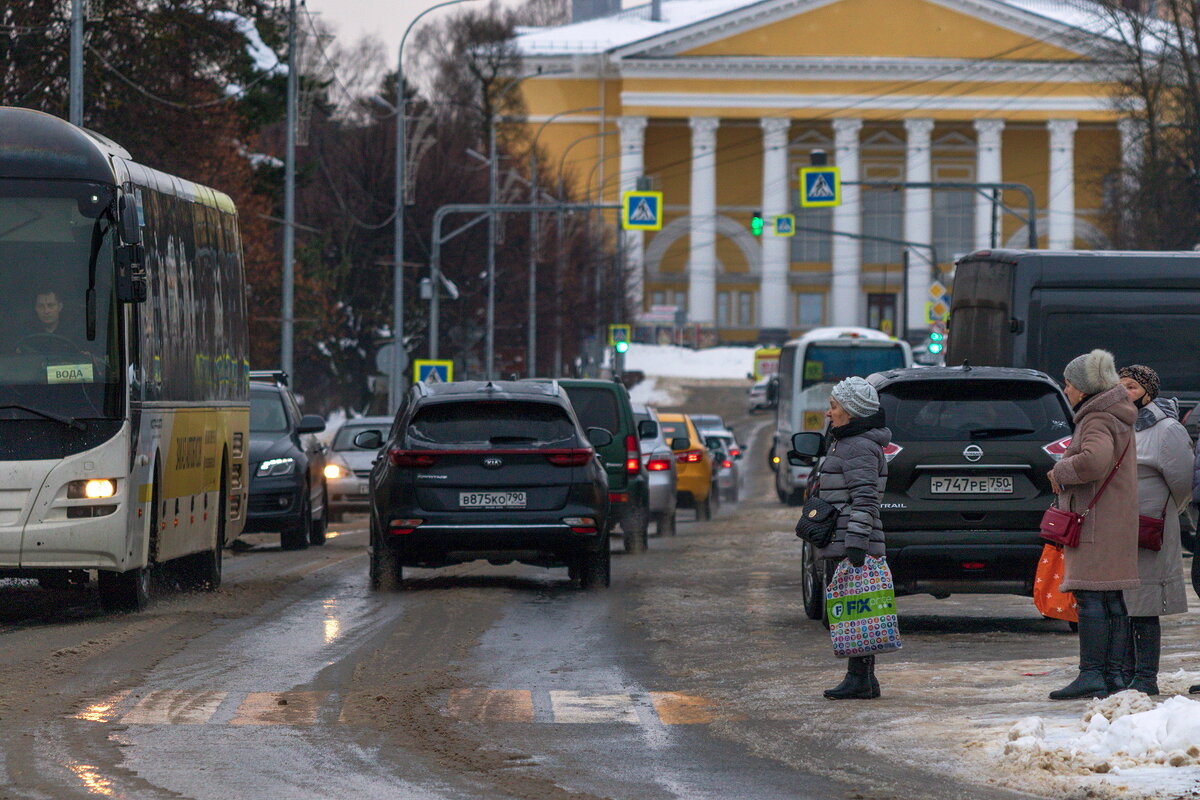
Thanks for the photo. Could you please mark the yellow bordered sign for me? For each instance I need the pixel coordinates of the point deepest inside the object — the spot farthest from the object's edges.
(642, 211)
(619, 333)
(433, 371)
(785, 225)
(820, 187)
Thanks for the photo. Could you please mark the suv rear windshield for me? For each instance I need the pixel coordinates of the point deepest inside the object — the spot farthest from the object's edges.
(974, 410)
(267, 414)
(830, 363)
(596, 408)
(499, 423)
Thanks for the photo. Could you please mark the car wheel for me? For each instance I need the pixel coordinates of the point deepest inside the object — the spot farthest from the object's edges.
(1196, 574)
(595, 571)
(734, 494)
(664, 523)
(316, 534)
(296, 537)
(714, 498)
(634, 528)
(574, 570)
(385, 571)
(812, 585)
(704, 508)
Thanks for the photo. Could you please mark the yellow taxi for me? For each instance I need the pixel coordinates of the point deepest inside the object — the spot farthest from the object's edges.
(695, 465)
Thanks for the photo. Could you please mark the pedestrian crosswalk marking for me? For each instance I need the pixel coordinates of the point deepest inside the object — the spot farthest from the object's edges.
(175, 707)
(479, 706)
(642, 212)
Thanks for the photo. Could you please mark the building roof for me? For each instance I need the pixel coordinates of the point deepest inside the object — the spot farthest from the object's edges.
(631, 26)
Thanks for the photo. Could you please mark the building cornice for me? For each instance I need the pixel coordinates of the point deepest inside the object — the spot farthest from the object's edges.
(856, 103)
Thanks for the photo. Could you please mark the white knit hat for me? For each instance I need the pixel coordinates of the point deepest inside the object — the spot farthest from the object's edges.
(858, 397)
(1093, 373)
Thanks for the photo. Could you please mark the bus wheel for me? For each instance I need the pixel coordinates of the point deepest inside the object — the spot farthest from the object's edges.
(208, 565)
(125, 591)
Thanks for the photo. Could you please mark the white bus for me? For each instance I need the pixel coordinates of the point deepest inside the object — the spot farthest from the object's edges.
(123, 365)
(808, 369)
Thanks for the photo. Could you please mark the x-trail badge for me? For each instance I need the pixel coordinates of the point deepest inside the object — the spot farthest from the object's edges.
(973, 452)
(493, 462)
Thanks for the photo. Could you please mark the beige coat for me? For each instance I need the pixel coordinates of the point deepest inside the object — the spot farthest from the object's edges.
(1106, 558)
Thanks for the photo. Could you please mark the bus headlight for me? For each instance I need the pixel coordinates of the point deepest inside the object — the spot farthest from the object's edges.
(276, 466)
(93, 489)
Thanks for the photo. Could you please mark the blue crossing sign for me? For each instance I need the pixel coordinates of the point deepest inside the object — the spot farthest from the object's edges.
(820, 187)
(785, 225)
(642, 211)
(432, 371)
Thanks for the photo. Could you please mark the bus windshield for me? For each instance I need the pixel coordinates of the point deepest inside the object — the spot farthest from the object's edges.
(828, 363)
(51, 364)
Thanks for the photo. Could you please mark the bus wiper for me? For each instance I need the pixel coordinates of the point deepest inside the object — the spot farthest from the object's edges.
(70, 422)
(991, 433)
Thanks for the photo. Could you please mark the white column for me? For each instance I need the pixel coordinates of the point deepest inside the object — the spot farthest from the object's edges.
(918, 218)
(633, 141)
(845, 291)
(1062, 183)
(987, 170)
(1132, 132)
(702, 261)
(773, 292)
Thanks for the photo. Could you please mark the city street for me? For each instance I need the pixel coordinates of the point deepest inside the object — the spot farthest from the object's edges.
(696, 675)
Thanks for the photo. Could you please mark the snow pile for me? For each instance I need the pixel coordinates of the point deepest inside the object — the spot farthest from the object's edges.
(650, 393)
(1125, 731)
(668, 361)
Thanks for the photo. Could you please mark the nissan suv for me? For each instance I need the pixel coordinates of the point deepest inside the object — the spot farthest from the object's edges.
(500, 471)
(967, 481)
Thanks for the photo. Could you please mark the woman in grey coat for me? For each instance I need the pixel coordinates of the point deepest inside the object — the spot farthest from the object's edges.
(1164, 480)
(853, 476)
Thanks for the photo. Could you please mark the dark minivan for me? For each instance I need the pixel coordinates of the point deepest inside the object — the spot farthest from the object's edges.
(606, 404)
(495, 470)
(967, 483)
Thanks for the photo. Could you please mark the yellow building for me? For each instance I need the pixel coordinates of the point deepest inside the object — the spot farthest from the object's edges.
(718, 103)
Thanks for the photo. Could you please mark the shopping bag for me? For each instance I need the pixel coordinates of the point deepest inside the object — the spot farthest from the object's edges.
(1046, 596)
(860, 604)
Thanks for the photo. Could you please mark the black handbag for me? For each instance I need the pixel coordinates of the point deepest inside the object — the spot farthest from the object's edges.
(818, 518)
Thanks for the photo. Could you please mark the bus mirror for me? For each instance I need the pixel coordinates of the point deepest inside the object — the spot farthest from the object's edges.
(131, 289)
(131, 228)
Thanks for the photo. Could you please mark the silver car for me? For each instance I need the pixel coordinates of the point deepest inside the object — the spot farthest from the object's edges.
(659, 463)
(348, 467)
(731, 476)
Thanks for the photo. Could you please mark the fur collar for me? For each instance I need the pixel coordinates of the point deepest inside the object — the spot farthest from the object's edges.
(1114, 401)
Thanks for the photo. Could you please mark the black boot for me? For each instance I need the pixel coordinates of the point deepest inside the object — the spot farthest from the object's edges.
(1118, 667)
(857, 683)
(1147, 643)
(871, 673)
(1093, 650)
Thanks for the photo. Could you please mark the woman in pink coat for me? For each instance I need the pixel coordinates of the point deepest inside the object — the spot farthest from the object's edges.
(1106, 560)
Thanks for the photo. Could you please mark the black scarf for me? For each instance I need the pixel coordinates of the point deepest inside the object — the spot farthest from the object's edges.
(859, 425)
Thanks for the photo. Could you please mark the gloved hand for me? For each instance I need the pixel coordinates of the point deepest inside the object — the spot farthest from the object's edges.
(856, 556)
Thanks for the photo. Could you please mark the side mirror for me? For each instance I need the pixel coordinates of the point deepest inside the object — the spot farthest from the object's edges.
(647, 429)
(310, 423)
(807, 447)
(369, 440)
(599, 437)
(713, 443)
(773, 390)
(680, 443)
(131, 227)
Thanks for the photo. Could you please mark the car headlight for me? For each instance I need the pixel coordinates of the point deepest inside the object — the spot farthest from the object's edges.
(273, 467)
(334, 471)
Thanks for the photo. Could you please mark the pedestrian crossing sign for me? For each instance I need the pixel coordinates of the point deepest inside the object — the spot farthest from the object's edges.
(820, 187)
(642, 211)
(785, 225)
(432, 371)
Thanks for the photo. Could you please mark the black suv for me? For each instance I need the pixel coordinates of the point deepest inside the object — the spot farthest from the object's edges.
(287, 465)
(500, 471)
(967, 481)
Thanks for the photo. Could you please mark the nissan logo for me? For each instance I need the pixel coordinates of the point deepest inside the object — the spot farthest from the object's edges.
(493, 462)
(973, 453)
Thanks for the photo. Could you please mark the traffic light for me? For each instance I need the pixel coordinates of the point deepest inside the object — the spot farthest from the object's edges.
(937, 342)
(756, 223)
(621, 347)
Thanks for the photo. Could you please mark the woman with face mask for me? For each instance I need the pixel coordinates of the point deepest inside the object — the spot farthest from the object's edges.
(1164, 481)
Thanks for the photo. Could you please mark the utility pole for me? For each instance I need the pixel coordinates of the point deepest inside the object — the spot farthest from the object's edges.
(289, 204)
(531, 350)
(491, 259)
(75, 111)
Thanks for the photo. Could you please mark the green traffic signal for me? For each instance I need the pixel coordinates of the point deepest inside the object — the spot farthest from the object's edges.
(936, 347)
(756, 223)
(621, 347)
(937, 336)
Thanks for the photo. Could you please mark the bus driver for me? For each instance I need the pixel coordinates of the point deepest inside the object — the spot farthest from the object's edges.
(48, 333)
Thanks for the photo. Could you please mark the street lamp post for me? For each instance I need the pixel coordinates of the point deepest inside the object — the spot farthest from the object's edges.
(396, 383)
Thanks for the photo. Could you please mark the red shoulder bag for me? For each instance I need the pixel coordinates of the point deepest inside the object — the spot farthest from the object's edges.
(1063, 527)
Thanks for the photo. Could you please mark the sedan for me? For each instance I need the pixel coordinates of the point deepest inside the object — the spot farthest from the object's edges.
(348, 467)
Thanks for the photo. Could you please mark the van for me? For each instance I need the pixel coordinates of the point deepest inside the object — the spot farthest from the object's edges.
(808, 369)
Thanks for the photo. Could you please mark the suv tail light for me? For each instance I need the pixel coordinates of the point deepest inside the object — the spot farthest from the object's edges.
(690, 457)
(570, 458)
(658, 465)
(726, 464)
(891, 451)
(735, 452)
(1056, 449)
(633, 455)
(411, 458)
(400, 527)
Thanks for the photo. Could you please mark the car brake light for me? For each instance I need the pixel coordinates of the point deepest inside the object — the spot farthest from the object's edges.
(581, 524)
(1056, 449)
(411, 458)
(726, 464)
(618, 497)
(658, 465)
(570, 458)
(690, 457)
(403, 526)
(891, 451)
(633, 455)
(735, 452)
(974, 565)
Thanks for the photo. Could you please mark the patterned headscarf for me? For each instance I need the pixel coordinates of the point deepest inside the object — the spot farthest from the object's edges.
(1146, 378)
